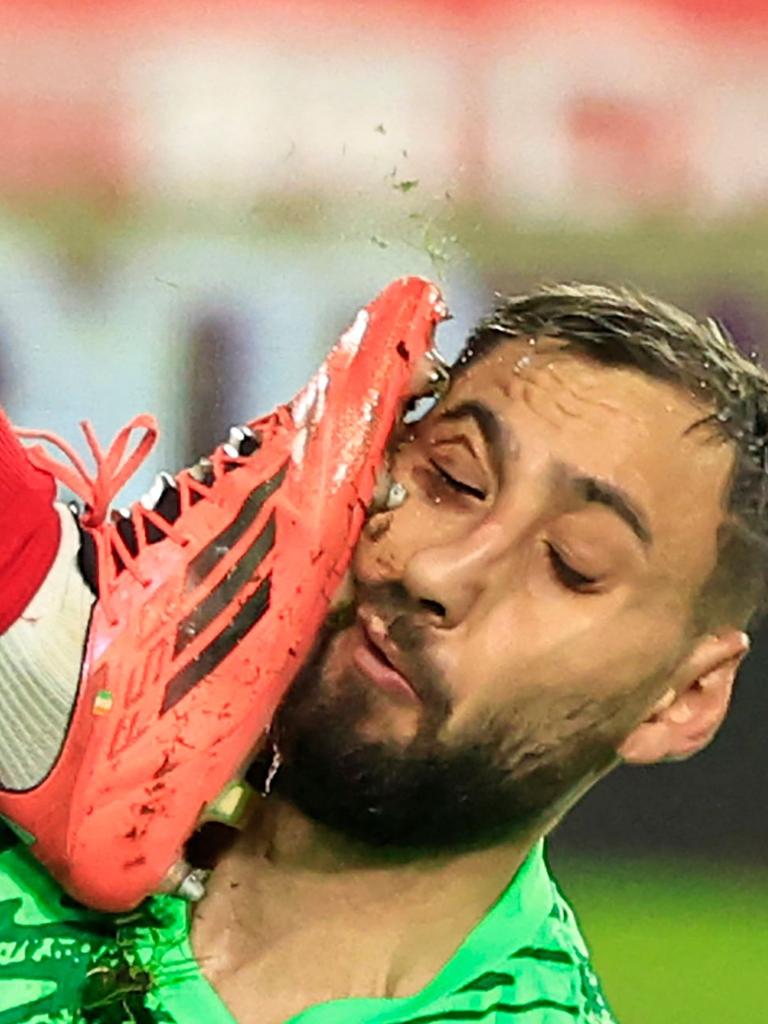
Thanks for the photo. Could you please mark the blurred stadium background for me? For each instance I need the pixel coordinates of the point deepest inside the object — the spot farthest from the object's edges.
(194, 198)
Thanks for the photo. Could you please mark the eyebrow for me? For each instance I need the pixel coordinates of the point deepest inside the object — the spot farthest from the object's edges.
(593, 490)
(590, 489)
(494, 433)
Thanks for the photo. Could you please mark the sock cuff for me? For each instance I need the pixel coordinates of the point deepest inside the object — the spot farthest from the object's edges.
(17, 474)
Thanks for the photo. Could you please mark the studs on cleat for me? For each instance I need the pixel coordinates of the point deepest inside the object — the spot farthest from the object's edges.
(381, 490)
(440, 381)
(436, 357)
(243, 440)
(231, 805)
(127, 531)
(439, 376)
(202, 471)
(192, 886)
(155, 492)
(185, 881)
(237, 437)
(251, 441)
(432, 377)
(397, 495)
(169, 503)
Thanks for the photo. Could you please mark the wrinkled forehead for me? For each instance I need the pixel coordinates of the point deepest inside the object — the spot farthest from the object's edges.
(648, 436)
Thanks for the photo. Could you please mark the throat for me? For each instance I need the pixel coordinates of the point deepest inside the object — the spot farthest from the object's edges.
(308, 925)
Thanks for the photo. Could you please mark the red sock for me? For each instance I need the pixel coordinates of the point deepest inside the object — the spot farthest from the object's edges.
(29, 526)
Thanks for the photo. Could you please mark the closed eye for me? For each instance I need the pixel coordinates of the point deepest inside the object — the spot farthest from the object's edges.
(457, 485)
(567, 575)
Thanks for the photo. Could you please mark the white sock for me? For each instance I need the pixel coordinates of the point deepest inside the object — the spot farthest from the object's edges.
(40, 660)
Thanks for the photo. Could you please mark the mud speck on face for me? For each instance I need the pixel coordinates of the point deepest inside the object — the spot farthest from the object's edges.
(379, 529)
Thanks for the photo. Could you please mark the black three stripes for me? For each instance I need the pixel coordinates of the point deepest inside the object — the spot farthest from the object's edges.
(230, 587)
(225, 592)
(206, 561)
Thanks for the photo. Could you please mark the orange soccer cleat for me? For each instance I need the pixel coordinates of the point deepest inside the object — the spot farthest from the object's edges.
(209, 601)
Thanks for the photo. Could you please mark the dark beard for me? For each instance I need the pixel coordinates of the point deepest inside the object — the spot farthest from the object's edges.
(423, 795)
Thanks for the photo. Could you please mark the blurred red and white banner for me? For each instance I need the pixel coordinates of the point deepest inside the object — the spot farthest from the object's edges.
(582, 110)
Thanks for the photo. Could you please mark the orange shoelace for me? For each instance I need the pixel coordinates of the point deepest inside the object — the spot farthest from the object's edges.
(114, 467)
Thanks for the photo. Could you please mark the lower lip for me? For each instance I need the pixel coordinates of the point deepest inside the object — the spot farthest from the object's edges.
(383, 675)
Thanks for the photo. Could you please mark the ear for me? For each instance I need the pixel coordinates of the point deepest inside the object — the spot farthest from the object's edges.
(691, 709)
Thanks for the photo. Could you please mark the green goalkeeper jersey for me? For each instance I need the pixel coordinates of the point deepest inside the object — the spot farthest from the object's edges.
(524, 963)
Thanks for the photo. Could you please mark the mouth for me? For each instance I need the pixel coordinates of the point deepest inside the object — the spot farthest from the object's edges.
(372, 657)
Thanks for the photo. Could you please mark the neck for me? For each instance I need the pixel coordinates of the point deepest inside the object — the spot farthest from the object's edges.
(287, 873)
(282, 840)
(288, 841)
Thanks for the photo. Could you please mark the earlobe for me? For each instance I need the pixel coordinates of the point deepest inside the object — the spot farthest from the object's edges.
(687, 716)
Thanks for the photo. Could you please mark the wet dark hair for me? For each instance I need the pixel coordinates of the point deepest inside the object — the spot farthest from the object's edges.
(620, 326)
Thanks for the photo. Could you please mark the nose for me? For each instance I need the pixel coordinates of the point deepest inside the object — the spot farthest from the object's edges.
(446, 581)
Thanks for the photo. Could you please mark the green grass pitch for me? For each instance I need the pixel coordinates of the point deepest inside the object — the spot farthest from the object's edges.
(675, 943)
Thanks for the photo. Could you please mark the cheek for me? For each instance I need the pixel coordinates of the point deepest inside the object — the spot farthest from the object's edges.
(519, 661)
(493, 667)
(384, 546)
(390, 539)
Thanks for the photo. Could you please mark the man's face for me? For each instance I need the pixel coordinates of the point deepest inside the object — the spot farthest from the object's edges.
(518, 614)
